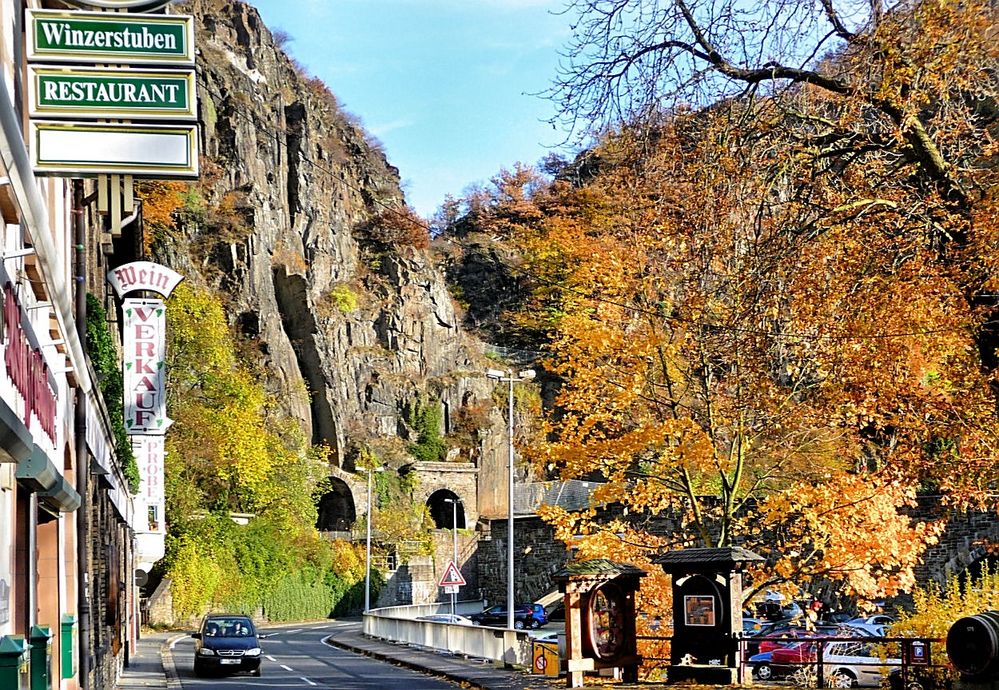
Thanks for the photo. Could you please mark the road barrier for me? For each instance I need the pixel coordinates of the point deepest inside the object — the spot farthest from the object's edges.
(399, 624)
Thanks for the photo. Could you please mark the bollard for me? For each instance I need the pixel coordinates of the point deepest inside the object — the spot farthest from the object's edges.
(13, 663)
(40, 641)
(67, 643)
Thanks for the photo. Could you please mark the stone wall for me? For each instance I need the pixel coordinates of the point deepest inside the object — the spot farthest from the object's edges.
(537, 556)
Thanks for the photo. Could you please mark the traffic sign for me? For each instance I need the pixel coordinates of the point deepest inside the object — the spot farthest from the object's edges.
(451, 577)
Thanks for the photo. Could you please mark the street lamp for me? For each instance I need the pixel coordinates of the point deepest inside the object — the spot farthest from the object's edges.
(508, 377)
(367, 553)
(454, 538)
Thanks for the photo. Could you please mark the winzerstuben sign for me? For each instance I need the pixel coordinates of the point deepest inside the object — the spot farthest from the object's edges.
(133, 39)
(97, 93)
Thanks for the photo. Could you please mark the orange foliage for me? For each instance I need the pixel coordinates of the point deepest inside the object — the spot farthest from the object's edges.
(761, 328)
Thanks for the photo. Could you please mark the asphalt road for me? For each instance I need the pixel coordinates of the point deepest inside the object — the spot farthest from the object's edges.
(295, 657)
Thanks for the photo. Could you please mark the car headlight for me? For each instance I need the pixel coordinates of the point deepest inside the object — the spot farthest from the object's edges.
(205, 651)
(252, 652)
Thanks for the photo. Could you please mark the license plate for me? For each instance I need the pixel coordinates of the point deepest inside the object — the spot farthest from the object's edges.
(229, 661)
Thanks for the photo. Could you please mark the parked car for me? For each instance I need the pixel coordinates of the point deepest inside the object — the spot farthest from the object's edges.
(540, 615)
(452, 618)
(523, 616)
(877, 619)
(227, 643)
(784, 638)
(782, 662)
(853, 664)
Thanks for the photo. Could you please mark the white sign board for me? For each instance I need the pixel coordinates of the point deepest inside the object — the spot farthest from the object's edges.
(144, 346)
(82, 149)
(150, 456)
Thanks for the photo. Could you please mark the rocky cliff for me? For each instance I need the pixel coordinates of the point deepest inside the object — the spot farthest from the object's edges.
(325, 273)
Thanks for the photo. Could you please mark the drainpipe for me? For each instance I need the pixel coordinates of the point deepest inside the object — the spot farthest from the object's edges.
(80, 432)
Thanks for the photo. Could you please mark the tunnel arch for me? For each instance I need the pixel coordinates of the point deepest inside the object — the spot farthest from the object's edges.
(442, 511)
(336, 508)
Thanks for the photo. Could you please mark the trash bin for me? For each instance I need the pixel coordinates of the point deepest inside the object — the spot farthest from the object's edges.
(13, 663)
(67, 644)
(40, 641)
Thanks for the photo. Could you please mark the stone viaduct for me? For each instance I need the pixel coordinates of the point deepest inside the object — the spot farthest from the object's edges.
(481, 534)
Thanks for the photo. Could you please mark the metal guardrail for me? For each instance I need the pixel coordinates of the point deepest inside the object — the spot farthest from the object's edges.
(399, 624)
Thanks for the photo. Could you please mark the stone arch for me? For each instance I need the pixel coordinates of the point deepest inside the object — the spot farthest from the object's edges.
(963, 545)
(442, 511)
(984, 561)
(337, 512)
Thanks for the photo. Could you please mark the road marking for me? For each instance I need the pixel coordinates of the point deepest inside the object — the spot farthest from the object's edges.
(292, 632)
(271, 658)
(309, 681)
(289, 669)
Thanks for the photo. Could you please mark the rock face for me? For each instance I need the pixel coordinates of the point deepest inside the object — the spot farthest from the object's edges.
(350, 327)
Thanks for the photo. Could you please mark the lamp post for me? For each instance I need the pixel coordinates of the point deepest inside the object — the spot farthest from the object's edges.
(454, 539)
(508, 377)
(367, 553)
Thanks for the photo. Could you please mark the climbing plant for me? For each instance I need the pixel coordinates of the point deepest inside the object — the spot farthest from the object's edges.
(104, 358)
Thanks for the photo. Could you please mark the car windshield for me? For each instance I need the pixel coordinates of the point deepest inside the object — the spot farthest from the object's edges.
(228, 627)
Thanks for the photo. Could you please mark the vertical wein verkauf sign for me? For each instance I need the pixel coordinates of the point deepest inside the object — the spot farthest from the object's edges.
(144, 345)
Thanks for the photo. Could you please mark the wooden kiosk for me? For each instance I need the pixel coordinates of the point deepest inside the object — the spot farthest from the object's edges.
(707, 613)
(600, 618)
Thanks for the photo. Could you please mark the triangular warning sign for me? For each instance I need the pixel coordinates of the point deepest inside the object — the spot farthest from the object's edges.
(451, 577)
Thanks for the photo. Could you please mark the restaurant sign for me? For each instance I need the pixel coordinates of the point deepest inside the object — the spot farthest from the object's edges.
(144, 346)
(133, 39)
(99, 93)
(83, 148)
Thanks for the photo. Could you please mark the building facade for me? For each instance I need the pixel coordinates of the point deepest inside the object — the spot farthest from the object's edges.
(66, 512)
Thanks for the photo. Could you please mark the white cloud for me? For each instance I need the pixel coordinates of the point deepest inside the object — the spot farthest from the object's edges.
(382, 128)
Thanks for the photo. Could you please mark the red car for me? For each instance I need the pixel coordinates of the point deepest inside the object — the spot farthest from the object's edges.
(798, 653)
(784, 638)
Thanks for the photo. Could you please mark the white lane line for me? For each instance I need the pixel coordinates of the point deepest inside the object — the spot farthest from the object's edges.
(292, 632)
(271, 658)
(309, 681)
(289, 669)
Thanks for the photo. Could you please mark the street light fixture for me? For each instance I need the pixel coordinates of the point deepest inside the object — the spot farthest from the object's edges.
(454, 538)
(367, 553)
(508, 377)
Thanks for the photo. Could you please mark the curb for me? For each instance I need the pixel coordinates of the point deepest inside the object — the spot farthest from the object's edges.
(453, 677)
(169, 665)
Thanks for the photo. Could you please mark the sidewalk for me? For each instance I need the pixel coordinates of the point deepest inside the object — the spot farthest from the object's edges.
(151, 667)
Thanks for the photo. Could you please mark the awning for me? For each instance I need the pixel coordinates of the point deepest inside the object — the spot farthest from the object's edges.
(39, 474)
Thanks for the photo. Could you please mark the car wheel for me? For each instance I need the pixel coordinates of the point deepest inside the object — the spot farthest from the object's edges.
(764, 672)
(519, 625)
(535, 625)
(842, 679)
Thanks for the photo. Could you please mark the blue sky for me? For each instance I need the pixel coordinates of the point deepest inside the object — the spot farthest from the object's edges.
(444, 84)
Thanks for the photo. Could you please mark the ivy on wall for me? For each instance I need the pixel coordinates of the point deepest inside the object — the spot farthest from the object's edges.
(104, 358)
